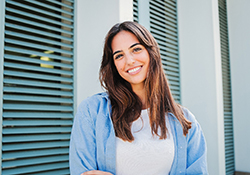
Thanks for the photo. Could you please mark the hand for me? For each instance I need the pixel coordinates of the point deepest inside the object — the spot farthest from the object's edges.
(96, 172)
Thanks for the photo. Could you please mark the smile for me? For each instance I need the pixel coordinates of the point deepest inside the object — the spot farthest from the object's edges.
(134, 70)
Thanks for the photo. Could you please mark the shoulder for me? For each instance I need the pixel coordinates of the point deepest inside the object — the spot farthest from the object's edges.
(188, 115)
(94, 100)
(196, 130)
(95, 104)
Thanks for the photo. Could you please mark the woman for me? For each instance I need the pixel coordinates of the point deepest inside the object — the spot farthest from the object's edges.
(135, 127)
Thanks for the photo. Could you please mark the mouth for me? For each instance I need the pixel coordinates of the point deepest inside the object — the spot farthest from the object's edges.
(134, 70)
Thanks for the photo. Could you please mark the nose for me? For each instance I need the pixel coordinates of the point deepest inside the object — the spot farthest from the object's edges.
(130, 59)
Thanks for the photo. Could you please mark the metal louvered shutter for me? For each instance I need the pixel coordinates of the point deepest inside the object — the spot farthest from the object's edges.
(163, 26)
(37, 86)
(227, 98)
(135, 10)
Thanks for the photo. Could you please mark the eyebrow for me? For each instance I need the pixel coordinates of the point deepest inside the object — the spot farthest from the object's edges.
(129, 48)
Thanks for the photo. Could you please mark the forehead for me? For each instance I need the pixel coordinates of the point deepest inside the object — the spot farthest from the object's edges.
(123, 40)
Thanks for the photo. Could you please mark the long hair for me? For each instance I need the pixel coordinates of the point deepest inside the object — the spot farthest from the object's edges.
(126, 105)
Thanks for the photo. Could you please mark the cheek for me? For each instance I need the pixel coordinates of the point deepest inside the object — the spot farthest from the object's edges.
(147, 64)
(144, 57)
(119, 66)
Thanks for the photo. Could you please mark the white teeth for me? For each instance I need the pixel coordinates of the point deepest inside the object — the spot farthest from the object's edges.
(133, 70)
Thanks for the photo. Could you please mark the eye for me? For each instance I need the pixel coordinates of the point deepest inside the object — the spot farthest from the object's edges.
(137, 49)
(118, 56)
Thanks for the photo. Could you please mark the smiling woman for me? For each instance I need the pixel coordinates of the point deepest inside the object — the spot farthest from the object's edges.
(136, 123)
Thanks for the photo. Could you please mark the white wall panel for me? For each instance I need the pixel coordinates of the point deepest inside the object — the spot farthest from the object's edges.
(201, 74)
(239, 43)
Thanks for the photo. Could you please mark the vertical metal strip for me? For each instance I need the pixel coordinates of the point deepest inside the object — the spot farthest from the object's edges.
(75, 59)
(227, 94)
(178, 51)
(2, 28)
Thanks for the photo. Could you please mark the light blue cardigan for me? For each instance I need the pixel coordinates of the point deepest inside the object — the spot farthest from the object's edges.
(92, 144)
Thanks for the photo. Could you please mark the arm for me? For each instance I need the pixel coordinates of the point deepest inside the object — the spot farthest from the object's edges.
(196, 149)
(96, 172)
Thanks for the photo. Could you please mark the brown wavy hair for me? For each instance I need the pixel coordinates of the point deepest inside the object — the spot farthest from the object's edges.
(126, 105)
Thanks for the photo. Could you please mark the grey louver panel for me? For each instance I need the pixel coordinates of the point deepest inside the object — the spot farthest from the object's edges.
(37, 86)
(163, 26)
(227, 98)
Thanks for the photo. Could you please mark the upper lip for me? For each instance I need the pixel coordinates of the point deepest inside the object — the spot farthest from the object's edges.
(133, 68)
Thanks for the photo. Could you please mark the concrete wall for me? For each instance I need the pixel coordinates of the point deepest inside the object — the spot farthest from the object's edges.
(239, 44)
(94, 19)
(201, 74)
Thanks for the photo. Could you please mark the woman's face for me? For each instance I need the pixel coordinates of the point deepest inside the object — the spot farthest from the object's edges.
(131, 58)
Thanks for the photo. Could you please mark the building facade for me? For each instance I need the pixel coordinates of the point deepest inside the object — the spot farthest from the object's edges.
(50, 54)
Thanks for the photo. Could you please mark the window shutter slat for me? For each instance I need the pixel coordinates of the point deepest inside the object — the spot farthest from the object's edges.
(161, 29)
(37, 115)
(161, 10)
(36, 17)
(40, 69)
(169, 57)
(170, 64)
(36, 83)
(39, 32)
(37, 137)
(35, 168)
(37, 46)
(169, 4)
(37, 76)
(38, 61)
(37, 130)
(39, 145)
(37, 98)
(30, 37)
(35, 122)
(31, 52)
(51, 7)
(60, 171)
(163, 37)
(163, 15)
(36, 107)
(36, 24)
(45, 12)
(167, 47)
(37, 91)
(35, 161)
(35, 153)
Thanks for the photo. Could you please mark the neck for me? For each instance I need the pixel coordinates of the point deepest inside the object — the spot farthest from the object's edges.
(141, 93)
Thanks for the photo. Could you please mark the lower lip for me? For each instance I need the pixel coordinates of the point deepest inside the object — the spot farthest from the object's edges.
(136, 72)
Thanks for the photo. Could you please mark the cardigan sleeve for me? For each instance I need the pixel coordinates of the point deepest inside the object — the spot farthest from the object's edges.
(196, 148)
(82, 143)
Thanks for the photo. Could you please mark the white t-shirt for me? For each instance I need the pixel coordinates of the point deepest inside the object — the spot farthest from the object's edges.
(147, 154)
